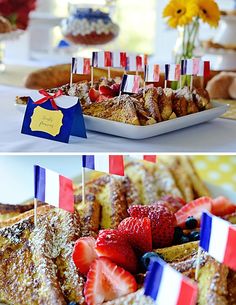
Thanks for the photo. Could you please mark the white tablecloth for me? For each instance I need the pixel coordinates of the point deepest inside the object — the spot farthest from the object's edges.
(218, 135)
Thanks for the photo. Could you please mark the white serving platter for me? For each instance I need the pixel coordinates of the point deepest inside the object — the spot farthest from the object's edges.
(142, 132)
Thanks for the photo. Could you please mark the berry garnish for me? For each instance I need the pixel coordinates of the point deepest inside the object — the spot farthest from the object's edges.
(221, 206)
(84, 253)
(174, 203)
(193, 208)
(184, 239)
(138, 232)
(194, 235)
(116, 88)
(106, 90)
(178, 234)
(147, 258)
(93, 94)
(162, 222)
(191, 223)
(106, 281)
(112, 244)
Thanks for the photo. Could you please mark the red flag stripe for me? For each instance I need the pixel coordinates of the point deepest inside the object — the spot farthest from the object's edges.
(230, 251)
(86, 67)
(150, 158)
(188, 291)
(107, 59)
(66, 195)
(123, 59)
(116, 165)
(139, 61)
(206, 69)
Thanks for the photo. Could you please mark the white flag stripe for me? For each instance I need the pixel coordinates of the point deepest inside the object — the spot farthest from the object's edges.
(150, 73)
(129, 83)
(132, 63)
(201, 68)
(80, 65)
(171, 75)
(170, 287)
(101, 60)
(136, 156)
(116, 59)
(101, 163)
(189, 70)
(52, 187)
(219, 236)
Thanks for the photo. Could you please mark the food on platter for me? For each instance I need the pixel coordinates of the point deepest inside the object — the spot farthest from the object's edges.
(5, 25)
(147, 107)
(100, 253)
(210, 44)
(89, 27)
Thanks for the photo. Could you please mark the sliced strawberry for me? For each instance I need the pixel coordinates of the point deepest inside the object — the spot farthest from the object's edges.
(84, 253)
(106, 90)
(93, 94)
(138, 232)
(112, 244)
(103, 98)
(106, 281)
(116, 88)
(221, 206)
(193, 208)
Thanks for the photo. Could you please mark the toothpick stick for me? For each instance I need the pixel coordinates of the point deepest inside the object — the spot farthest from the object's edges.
(198, 262)
(109, 72)
(191, 83)
(165, 84)
(180, 82)
(35, 212)
(83, 186)
(71, 79)
(92, 76)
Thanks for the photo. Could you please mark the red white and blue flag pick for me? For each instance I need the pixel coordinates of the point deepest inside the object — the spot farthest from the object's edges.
(53, 188)
(167, 286)
(119, 60)
(149, 158)
(152, 73)
(102, 59)
(130, 83)
(134, 63)
(111, 164)
(218, 238)
(172, 72)
(80, 65)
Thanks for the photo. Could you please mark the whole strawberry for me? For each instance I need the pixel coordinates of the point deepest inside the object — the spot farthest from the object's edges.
(163, 222)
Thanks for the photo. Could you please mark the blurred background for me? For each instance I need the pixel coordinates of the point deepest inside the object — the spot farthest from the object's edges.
(142, 30)
(17, 173)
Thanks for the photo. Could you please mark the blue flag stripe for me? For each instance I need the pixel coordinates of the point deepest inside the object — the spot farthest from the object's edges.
(153, 279)
(88, 161)
(39, 183)
(205, 232)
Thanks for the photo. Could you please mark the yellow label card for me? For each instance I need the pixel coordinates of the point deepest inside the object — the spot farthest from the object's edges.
(49, 121)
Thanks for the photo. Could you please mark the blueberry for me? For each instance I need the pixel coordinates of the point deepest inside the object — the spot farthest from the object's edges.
(178, 234)
(195, 235)
(148, 257)
(72, 303)
(191, 222)
(184, 239)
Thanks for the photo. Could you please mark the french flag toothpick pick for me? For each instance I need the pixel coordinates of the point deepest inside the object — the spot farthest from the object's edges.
(172, 72)
(52, 188)
(204, 69)
(102, 59)
(130, 84)
(167, 286)
(80, 65)
(218, 238)
(111, 164)
(152, 73)
(134, 63)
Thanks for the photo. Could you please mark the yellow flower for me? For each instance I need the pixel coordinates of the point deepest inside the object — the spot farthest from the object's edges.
(209, 12)
(180, 12)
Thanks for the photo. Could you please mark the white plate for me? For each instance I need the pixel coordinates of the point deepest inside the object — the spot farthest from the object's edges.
(142, 132)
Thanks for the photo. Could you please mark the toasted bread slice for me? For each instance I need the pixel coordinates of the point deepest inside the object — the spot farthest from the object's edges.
(36, 263)
(151, 104)
(110, 194)
(120, 109)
